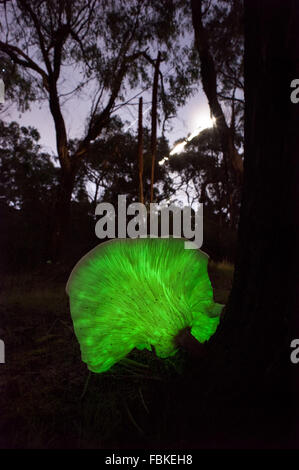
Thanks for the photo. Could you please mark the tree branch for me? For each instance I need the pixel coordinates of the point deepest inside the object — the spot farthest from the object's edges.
(230, 98)
(14, 53)
(100, 121)
(209, 83)
(36, 23)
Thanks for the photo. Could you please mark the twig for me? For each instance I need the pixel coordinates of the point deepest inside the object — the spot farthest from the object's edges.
(142, 400)
(132, 418)
(85, 386)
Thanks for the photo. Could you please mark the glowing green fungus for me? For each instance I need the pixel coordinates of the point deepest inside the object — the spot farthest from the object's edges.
(139, 293)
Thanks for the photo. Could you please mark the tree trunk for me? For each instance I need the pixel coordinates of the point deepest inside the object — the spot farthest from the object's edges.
(232, 159)
(154, 123)
(62, 212)
(247, 387)
(261, 305)
(140, 152)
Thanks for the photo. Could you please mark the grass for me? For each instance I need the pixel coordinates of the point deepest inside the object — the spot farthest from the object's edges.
(49, 399)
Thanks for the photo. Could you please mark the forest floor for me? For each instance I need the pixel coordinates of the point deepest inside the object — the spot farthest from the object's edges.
(49, 399)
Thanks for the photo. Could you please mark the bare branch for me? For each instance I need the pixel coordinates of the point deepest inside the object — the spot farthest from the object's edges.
(36, 23)
(15, 53)
(230, 98)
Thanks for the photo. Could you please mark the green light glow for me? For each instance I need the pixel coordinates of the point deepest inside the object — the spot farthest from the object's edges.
(138, 293)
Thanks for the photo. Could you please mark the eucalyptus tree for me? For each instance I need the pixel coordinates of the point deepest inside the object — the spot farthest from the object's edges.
(219, 42)
(106, 48)
(112, 167)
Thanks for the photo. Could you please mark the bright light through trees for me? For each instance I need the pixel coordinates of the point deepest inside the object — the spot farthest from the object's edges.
(204, 122)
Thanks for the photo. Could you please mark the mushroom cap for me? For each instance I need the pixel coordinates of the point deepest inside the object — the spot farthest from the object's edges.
(139, 293)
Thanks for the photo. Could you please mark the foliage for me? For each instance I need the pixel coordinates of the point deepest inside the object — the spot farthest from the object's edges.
(200, 173)
(105, 46)
(113, 167)
(28, 176)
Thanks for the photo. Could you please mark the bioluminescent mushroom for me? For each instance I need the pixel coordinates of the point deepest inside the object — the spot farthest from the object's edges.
(139, 293)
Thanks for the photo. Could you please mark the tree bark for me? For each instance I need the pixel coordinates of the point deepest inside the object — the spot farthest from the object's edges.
(246, 383)
(154, 123)
(140, 151)
(261, 304)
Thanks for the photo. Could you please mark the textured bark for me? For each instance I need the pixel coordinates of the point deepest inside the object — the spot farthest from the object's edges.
(264, 278)
(246, 381)
(261, 305)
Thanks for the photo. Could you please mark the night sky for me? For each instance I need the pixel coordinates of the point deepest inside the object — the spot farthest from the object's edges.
(76, 111)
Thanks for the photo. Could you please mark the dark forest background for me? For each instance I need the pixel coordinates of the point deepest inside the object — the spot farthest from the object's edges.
(240, 389)
(51, 201)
